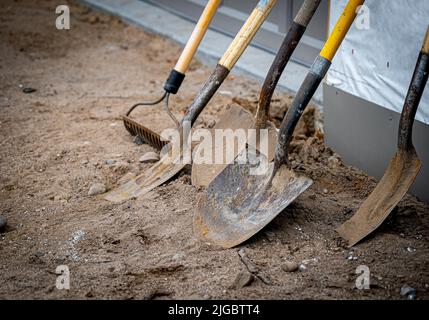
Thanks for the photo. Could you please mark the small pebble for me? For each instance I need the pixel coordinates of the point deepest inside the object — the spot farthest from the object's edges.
(325, 190)
(243, 279)
(290, 266)
(225, 93)
(96, 188)
(4, 102)
(149, 157)
(211, 123)
(28, 90)
(39, 254)
(110, 162)
(138, 141)
(333, 162)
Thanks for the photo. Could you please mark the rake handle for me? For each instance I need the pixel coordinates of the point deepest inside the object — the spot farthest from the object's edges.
(313, 79)
(229, 59)
(414, 95)
(290, 42)
(177, 75)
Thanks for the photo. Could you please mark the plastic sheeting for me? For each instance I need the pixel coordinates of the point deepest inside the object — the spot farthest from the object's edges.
(377, 63)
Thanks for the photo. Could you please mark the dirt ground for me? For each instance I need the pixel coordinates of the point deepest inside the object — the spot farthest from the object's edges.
(60, 139)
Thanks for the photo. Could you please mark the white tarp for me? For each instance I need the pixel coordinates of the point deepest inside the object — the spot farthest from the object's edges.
(377, 64)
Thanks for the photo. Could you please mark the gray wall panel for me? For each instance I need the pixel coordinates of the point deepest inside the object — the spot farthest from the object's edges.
(365, 135)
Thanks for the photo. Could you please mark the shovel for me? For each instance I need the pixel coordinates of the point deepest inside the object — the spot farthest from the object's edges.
(236, 205)
(177, 156)
(174, 81)
(403, 167)
(237, 118)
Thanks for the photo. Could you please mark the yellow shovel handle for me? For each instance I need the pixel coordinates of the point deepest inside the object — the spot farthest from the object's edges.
(196, 36)
(341, 29)
(246, 33)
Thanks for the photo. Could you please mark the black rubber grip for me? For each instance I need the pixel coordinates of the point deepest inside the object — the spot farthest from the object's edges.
(174, 82)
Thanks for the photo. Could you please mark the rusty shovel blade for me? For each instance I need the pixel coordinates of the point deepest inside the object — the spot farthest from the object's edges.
(238, 204)
(397, 179)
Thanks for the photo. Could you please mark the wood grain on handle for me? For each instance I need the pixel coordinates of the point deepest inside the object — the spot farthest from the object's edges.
(246, 33)
(425, 48)
(196, 36)
(306, 12)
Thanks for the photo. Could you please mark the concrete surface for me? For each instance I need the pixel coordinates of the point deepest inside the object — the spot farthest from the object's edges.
(254, 62)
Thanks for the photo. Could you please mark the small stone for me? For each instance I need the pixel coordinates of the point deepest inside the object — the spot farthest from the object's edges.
(138, 141)
(28, 90)
(39, 254)
(411, 250)
(4, 102)
(312, 196)
(110, 162)
(225, 93)
(409, 292)
(3, 223)
(96, 188)
(290, 266)
(243, 279)
(149, 157)
(93, 19)
(325, 190)
(211, 123)
(333, 162)
(178, 256)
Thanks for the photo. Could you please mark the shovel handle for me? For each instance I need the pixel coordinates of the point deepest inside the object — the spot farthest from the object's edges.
(414, 95)
(246, 33)
(290, 42)
(314, 77)
(231, 56)
(177, 75)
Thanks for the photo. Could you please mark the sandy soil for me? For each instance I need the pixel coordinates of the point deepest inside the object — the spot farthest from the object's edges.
(55, 144)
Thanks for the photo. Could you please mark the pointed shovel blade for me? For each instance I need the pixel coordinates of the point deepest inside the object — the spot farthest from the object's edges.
(397, 179)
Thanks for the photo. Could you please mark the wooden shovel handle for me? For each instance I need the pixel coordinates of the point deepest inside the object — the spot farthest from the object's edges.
(197, 35)
(246, 33)
(425, 48)
(227, 62)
